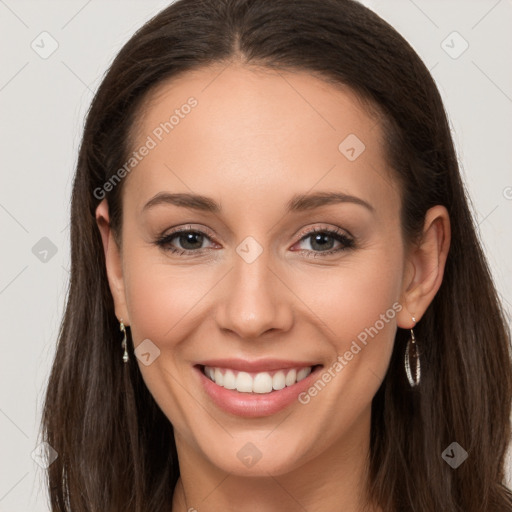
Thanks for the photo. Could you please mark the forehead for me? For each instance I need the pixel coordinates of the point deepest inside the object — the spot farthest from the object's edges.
(273, 133)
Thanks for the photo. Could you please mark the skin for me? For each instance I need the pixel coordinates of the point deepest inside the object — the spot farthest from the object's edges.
(254, 140)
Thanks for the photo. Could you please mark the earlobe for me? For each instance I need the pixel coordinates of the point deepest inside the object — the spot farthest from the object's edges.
(113, 262)
(425, 266)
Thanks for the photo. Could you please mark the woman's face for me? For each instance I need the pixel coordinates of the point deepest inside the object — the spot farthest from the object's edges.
(251, 290)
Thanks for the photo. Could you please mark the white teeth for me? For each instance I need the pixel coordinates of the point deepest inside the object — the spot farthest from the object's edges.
(279, 380)
(303, 373)
(229, 380)
(261, 382)
(291, 377)
(219, 378)
(244, 382)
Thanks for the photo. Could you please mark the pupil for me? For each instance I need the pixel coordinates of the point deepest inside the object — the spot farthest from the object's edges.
(321, 240)
(189, 239)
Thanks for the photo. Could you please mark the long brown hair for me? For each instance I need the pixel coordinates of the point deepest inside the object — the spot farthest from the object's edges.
(115, 447)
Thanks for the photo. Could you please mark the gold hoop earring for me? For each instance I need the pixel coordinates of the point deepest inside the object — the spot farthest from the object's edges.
(412, 360)
(123, 343)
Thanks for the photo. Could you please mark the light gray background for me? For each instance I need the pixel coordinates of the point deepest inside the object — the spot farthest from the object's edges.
(43, 102)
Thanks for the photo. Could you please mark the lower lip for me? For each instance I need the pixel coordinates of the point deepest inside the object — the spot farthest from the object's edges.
(253, 405)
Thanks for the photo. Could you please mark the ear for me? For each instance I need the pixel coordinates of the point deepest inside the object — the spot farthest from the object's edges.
(113, 262)
(425, 265)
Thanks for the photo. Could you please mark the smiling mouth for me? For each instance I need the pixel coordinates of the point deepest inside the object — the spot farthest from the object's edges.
(256, 382)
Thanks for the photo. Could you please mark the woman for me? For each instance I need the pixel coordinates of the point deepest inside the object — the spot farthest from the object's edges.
(267, 205)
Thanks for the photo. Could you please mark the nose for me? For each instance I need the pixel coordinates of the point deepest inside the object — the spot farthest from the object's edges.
(254, 300)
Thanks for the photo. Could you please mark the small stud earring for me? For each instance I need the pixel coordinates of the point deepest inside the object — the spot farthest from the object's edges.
(123, 343)
(412, 360)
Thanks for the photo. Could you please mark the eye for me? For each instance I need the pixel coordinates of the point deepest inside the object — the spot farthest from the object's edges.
(322, 241)
(191, 241)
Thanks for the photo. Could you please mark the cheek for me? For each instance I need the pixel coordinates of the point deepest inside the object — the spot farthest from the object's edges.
(367, 296)
(353, 296)
(356, 305)
(161, 300)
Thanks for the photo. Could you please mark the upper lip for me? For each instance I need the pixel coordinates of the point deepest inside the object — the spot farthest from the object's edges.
(258, 365)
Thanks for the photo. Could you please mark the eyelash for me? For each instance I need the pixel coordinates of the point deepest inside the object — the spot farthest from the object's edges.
(348, 243)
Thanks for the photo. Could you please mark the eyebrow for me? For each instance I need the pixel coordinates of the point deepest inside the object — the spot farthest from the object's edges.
(298, 203)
